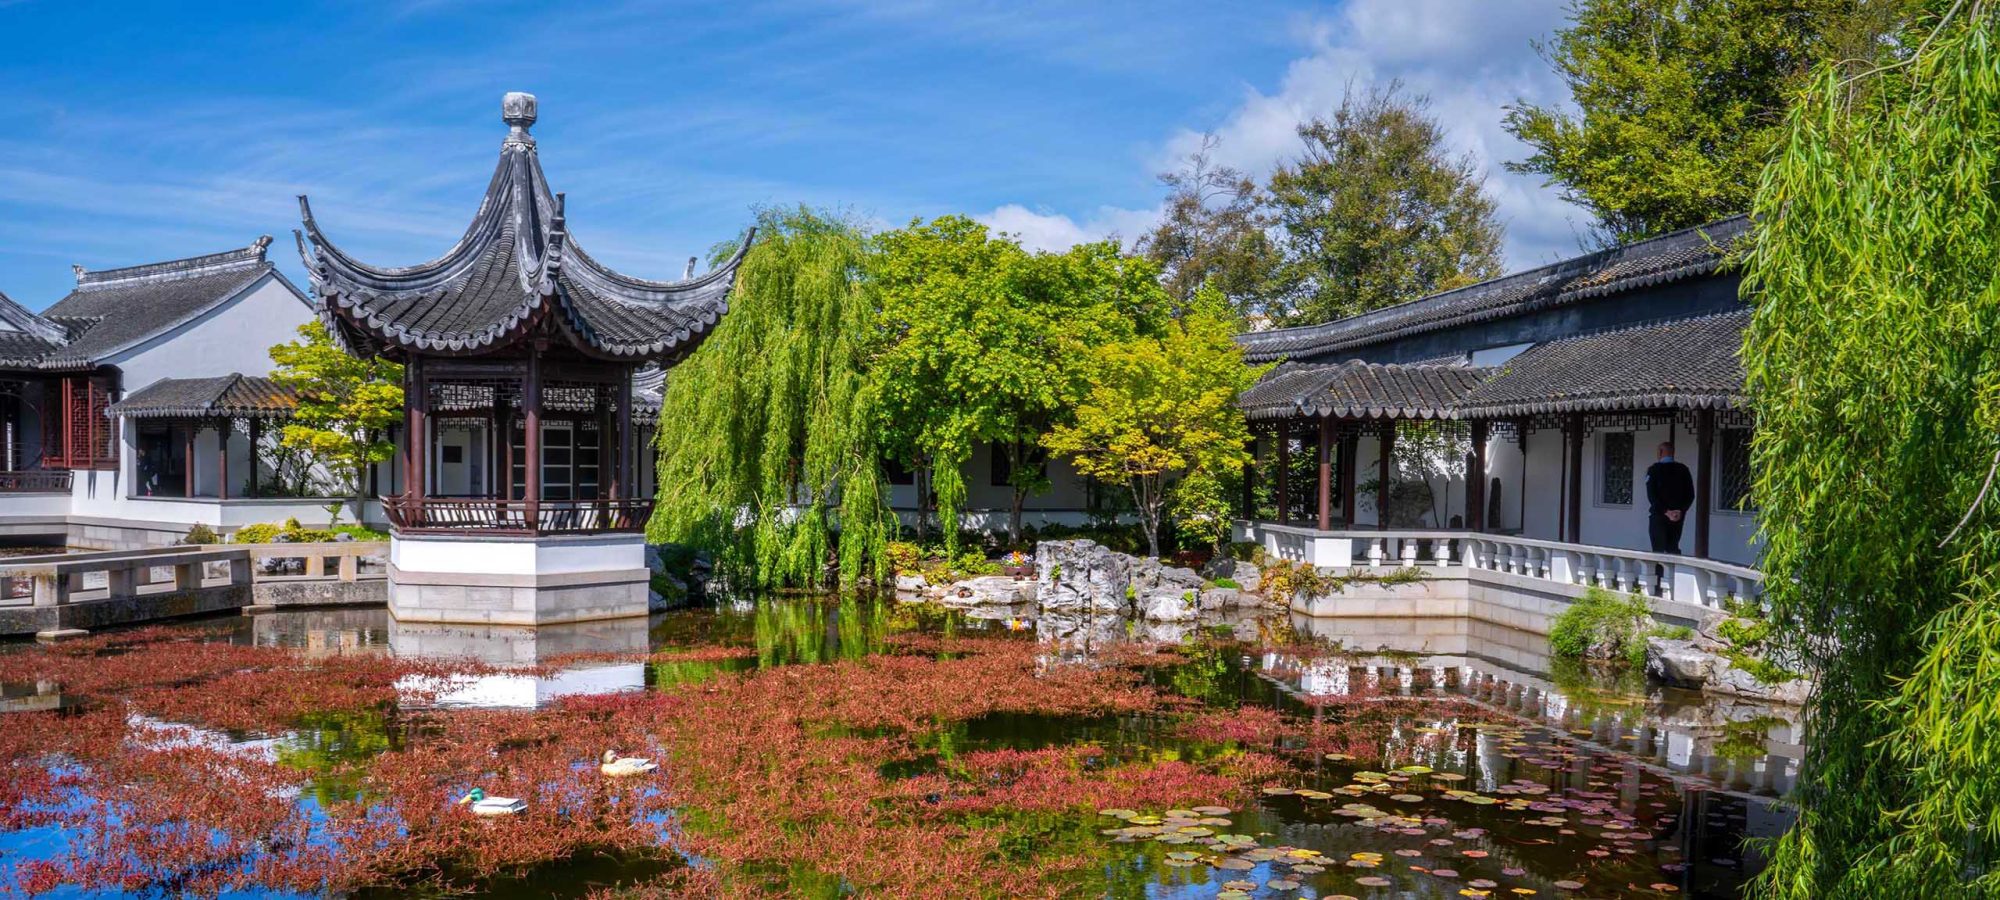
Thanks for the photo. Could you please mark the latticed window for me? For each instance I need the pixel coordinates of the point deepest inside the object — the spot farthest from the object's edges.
(1733, 487)
(1615, 478)
(85, 438)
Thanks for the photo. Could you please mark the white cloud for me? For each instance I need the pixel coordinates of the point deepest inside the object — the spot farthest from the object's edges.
(1471, 57)
(1055, 231)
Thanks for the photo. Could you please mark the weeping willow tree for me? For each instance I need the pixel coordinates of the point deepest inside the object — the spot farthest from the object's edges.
(767, 433)
(1874, 362)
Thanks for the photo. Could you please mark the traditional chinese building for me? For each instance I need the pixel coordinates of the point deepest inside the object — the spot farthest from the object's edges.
(524, 348)
(1507, 426)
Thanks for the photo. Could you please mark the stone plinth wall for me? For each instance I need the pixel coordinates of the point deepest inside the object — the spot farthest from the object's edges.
(321, 593)
(1515, 601)
(517, 581)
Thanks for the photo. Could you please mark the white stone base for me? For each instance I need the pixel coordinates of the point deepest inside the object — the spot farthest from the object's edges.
(490, 580)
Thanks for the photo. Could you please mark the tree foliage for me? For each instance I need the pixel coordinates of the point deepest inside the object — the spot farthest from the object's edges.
(985, 342)
(1160, 417)
(1214, 232)
(1874, 362)
(767, 437)
(1678, 103)
(346, 405)
(1376, 211)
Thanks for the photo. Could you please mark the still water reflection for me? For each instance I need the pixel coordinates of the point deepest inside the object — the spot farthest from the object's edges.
(1652, 790)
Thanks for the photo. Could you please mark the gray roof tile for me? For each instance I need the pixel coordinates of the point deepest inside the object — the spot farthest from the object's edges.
(1681, 364)
(233, 395)
(1360, 390)
(1670, 257)
(515, 265)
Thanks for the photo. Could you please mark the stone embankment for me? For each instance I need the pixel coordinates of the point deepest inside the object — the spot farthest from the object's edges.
(1081, 576)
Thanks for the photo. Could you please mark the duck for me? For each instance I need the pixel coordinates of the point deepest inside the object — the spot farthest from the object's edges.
(483, 805)
(615, 766)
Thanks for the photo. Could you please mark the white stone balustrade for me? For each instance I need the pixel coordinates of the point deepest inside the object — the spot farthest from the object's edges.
(1687, 580)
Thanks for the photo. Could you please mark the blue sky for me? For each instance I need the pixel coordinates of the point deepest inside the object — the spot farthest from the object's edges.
(142, 131)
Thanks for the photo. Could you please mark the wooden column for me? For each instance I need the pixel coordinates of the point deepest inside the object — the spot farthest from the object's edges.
(413, 391)
(1704, 479)
(531, 406)
(1350, 449)
(1250, 479)
(187, 467)
(1575, 481)
(1475, 488)
(222, 429)
(1521, 488)
(256, 435)
(1284, 469)
(1384, 471)
(1326, 473)
(621, 482)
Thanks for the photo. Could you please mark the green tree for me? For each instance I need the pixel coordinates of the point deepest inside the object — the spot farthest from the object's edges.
(1214, 232)
(1874, 363)
(984, 342)
(768, 441)
(1160, 417)
(1376, 211)
(346, 405)
(1679, 103)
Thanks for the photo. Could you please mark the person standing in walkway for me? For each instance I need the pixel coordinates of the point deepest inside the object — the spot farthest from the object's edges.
(1669, 493)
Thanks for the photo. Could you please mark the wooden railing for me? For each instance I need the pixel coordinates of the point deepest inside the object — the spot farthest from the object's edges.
(35, 481)
(461, 515)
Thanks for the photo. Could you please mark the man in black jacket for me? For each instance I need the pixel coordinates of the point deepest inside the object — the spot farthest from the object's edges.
(1669, 493)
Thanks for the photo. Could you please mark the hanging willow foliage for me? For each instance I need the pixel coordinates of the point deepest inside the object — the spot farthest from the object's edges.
(766, 440)
(1874, 362)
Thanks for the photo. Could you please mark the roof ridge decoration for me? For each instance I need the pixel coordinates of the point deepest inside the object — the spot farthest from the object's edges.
(28, 323)
(1686, 253)
(516, 264)
(242, 257)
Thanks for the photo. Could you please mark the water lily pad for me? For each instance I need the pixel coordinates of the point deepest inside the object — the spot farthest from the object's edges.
(1282, 884)
(1373, 881)
(1118, 813)
(1407, 798)
(1569, 885)
(1233, 864)
(1415, 770)
(1212, 810)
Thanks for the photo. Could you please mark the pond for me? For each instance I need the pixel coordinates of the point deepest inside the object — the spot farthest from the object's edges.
(849, 747)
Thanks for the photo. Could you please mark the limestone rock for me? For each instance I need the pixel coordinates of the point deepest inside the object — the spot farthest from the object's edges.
(1081, 576)
(911, 584)
(989, 590)
(1246, 575)
(1169, 606)
(1151, 575)
(1679, 663)
(1738, 683)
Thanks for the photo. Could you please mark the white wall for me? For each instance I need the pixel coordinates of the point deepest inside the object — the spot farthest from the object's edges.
(236, 336)
(1731, 534)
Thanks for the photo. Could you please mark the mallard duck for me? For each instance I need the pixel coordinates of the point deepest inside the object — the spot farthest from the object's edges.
(615, 766)
(483, 805)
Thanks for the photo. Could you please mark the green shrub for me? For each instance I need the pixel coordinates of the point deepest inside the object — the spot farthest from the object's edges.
(904, 557)
(1227, 583)
(201, 534)
(1764, 670)
(260, 533)
(1601, 620)
(1244, 551)
(1744, 633)
(361, 532)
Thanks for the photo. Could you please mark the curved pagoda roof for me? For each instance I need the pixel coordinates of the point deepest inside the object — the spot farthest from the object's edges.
(515, 272)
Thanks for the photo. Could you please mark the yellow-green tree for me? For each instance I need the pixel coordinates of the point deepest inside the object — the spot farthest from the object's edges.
(1160, 417)
(346, 405)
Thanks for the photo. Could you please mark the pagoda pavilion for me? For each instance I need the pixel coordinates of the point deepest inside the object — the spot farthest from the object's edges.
(518, 336)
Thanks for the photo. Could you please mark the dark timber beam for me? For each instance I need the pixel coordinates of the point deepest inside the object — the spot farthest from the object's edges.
(1284, 470)
(1384, 471)
(1575, 498)
(1325, 474)
(1704, 442)
(256, 435)
(531, 403)
(222, 429)
(1350, 450)
(1250, 479)
(1475, 488)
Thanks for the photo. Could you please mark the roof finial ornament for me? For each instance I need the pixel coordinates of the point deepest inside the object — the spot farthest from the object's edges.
(517, 109)
(79, 270)
(689, 273)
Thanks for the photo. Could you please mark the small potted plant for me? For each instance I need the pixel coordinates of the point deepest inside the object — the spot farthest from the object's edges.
(1017, 565)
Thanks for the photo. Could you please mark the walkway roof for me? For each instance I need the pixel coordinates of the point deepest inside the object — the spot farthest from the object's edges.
(231, 396)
